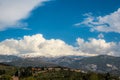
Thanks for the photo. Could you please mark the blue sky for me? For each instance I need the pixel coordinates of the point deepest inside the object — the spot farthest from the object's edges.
(56, 19)
(63, 19)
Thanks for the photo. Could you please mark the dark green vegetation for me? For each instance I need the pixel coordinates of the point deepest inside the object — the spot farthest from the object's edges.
(6, 72)
(69, 75)
(52, 73)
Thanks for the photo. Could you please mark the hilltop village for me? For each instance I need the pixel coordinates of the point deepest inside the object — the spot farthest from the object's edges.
(50, 73)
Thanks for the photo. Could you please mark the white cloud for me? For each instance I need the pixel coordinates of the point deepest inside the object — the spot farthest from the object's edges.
(99, 47)
(100, 36)
(12, 11)
(107, 23)
(37, 45)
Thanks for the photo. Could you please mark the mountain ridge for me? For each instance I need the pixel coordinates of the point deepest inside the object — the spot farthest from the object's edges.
(101, 63)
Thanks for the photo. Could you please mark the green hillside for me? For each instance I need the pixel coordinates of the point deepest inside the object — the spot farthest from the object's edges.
(6, 72)
(50, 73)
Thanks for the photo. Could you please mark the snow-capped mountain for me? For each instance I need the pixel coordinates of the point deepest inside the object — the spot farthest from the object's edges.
(102, 63)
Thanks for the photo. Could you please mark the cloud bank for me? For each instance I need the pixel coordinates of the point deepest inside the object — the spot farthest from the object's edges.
(37, 45)
(13, 11)
(98, 47)
(107, 23)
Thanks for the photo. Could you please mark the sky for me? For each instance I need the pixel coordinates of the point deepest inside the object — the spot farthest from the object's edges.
(59, 27)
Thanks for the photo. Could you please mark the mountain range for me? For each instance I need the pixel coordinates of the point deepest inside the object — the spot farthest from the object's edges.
(101, 63)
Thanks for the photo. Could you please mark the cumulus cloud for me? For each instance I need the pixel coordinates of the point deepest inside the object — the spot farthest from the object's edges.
(13, 11)
(98, 47)
(37, 45)
(107, 23)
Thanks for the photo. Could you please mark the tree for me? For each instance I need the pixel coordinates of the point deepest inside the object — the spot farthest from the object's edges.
(107, 77)
(2, 72)
(93, 76)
